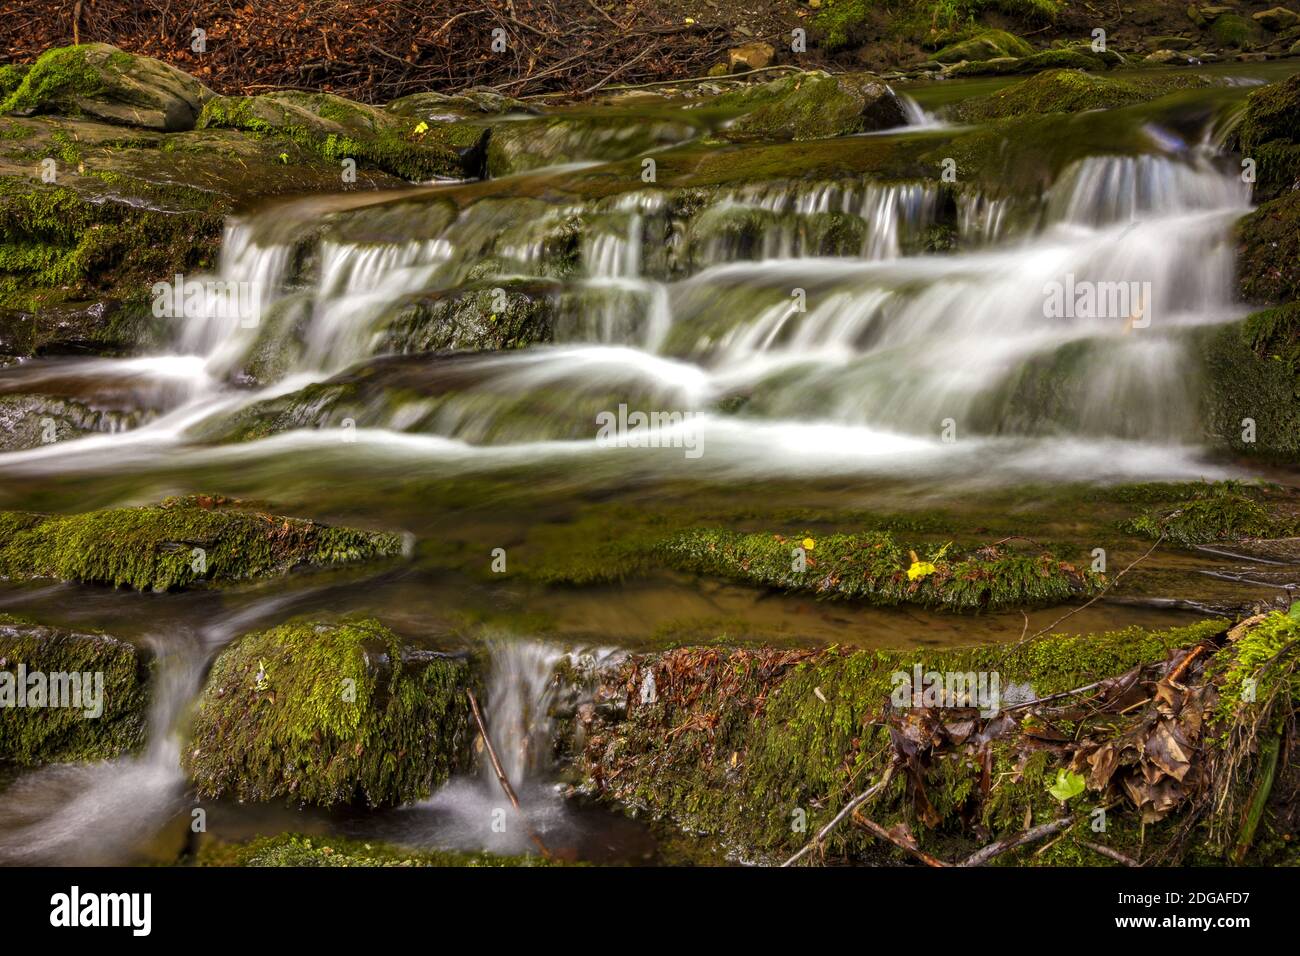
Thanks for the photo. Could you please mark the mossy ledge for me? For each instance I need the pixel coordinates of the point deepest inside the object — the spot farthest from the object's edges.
(181, 543)
(873, 567)
(296, 849)
(29, 737)
(745, 744)
(1222, 511)
(329, 714)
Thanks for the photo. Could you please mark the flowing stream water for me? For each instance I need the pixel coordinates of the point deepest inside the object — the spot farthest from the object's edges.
(817, 353)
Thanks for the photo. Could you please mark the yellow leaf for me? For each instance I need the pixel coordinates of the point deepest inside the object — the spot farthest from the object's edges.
(809, 544)
(421, 127)
(920, 569)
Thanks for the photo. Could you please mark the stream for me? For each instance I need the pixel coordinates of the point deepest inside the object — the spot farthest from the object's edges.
(805, 350)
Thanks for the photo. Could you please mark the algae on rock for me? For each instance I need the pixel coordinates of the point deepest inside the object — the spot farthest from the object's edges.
(329, 714)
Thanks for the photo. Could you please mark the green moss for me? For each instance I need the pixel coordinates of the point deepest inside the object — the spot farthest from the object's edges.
(1268, 252)
(1249, 665)
(1070, 91)
(1252, 376)
(842, 23)
(1233, 31)
(1223, 511)
(11, 77)
(30, 736)
(738, 741)
(329, 714)
(60, 244)
(293, 849)
(59, 76)
(873, 567)
(180, 543)
(1268, 134)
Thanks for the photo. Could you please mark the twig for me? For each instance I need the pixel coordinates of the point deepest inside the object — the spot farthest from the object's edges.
(998, 847)
(902, 844)
(849, 807)
(636, 59)
(1106, 851)
(501, 774)
(1095, 598)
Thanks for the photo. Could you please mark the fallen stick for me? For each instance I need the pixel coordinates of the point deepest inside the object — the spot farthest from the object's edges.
(501, 774)
(839, 817)
(903, 845)
(998, 847)
(1106, 851)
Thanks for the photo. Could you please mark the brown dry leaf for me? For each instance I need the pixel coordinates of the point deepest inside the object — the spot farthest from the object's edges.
(1168, 749)
(1104, 761)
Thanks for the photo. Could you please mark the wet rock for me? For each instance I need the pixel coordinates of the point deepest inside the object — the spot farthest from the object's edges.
(336, 129)
(519, 146)
(1069, 91)
(1252, 375)
(487, 316)
(750, 56)
(100, 716)
(1269, 134)
(329, 714)
(1166, 56)
(28, 421)
(812, 106)
(1230, 30)
(183, 542)
(447, 108)
(100, 81)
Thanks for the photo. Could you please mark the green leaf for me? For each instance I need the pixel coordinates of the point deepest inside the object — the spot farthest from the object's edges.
(1068, 785)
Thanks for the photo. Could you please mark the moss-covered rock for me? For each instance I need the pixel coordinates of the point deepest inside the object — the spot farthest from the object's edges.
(1070, 91)
(1268, 252)
(1252, 397)
(112, 677)
(1269, 133)
(812, 106)
(1231, 30)
(748, 744)
(183, 542)
(1064, 59)
(875, 568)
(103, 82)
(293, 849)
(987, 45)
(336, 129)
(1224, 511)
(329, 714)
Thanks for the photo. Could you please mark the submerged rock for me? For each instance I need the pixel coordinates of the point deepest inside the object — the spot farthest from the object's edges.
(102, 82)
(183, 542)
(329, 714)
(97, 715)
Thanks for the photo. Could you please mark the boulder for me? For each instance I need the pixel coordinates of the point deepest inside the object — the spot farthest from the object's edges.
(103, 82)
(812, 106)
(1277, 19)
(336, 129)
(330, 714)
(99, 716)
(984, 46)
(183, 542)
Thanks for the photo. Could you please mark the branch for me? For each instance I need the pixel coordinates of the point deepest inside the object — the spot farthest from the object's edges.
(998, 847)
(839, 817)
